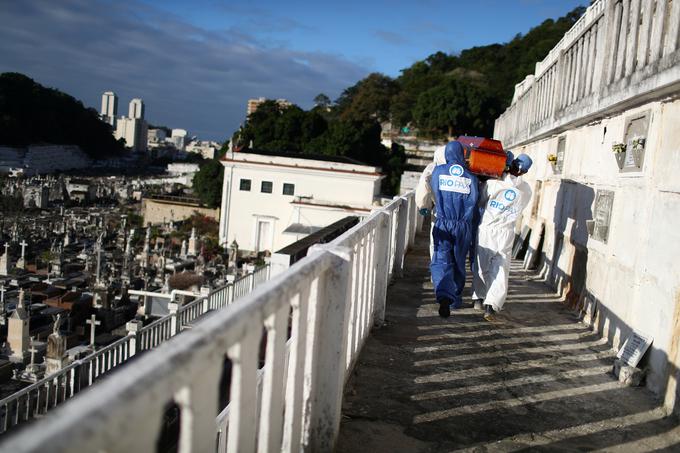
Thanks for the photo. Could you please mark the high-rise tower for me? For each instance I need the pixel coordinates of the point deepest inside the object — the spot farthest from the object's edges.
(109, 108)
(133, 128)
(136, 110)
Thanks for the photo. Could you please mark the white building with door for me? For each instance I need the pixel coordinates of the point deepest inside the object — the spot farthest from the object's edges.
(270, 200)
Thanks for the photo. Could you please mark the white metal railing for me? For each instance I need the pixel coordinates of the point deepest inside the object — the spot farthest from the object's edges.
(618, 51)
(38, 398)
(42, 396)
(316, 315)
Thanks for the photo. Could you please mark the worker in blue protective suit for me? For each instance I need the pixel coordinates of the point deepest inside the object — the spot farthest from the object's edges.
(503, 201)
(455, 192)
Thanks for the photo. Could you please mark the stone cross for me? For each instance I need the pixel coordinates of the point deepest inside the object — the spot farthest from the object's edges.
(93, 323)
(57, 325)
(6, 248)
(23, 245)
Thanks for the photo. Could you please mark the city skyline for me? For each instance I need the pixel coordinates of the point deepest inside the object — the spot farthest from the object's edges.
(196, 65)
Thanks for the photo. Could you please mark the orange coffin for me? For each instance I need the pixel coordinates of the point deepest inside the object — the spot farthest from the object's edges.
(484, 156)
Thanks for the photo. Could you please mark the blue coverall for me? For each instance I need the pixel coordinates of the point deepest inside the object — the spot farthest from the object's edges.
(455, 192)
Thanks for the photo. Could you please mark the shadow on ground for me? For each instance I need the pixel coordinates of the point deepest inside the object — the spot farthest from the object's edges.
(538, 380)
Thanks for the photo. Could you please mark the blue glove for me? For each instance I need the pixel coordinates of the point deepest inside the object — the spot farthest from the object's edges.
(423, 211)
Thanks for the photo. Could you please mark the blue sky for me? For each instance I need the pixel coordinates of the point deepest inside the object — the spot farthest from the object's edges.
(196, 63)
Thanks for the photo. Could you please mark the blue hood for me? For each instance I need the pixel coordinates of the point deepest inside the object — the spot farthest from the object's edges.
(454, 154)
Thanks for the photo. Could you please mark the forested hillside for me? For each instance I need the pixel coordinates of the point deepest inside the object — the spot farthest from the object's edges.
(455, 94)
(32, 114)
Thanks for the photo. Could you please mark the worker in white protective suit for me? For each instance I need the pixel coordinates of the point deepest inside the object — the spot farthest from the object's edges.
(502, 200)
(424, 198)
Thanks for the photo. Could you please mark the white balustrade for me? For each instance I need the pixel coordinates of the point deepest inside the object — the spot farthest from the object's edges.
(291, 344)
(617, 52)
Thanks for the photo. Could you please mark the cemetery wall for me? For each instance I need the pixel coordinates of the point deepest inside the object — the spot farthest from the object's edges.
(162, 211)
(603, 225)
(608, 238)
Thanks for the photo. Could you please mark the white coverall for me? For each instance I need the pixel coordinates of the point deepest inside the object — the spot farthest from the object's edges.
(503, 200)
(424, 197)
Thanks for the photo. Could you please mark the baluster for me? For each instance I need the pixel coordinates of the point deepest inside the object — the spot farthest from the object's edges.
(296, 365)
(354, 297)
(271, 421)
(242, 429)
(573, 62)
(16, 413)
(47, 397)
(592, 57)
(373, 273)
(36, 410)
(27, 413)
(365, 245)
(382, 274)
(656, 43)
(632, 41)
(671, 41)
(578, 83)
(56, 381)
(362, 294)
(623, 40)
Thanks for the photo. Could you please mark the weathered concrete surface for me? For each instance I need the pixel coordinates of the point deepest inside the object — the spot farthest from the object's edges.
(536, 380)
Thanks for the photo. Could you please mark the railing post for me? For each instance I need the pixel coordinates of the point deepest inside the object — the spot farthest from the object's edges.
(401, 241)
(412, 220)
(382, 262)
(328, 360)
(133, 327)
(279, 263)
(205, 293)
(174, 325)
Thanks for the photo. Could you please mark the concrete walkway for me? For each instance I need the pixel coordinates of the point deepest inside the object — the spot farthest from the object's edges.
(537, 380)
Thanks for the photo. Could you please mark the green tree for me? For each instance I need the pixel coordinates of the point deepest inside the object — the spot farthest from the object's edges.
(207, 183)
(322, 101)
(275, 128)
(454, 107)
(223, 149)
(369, 98)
